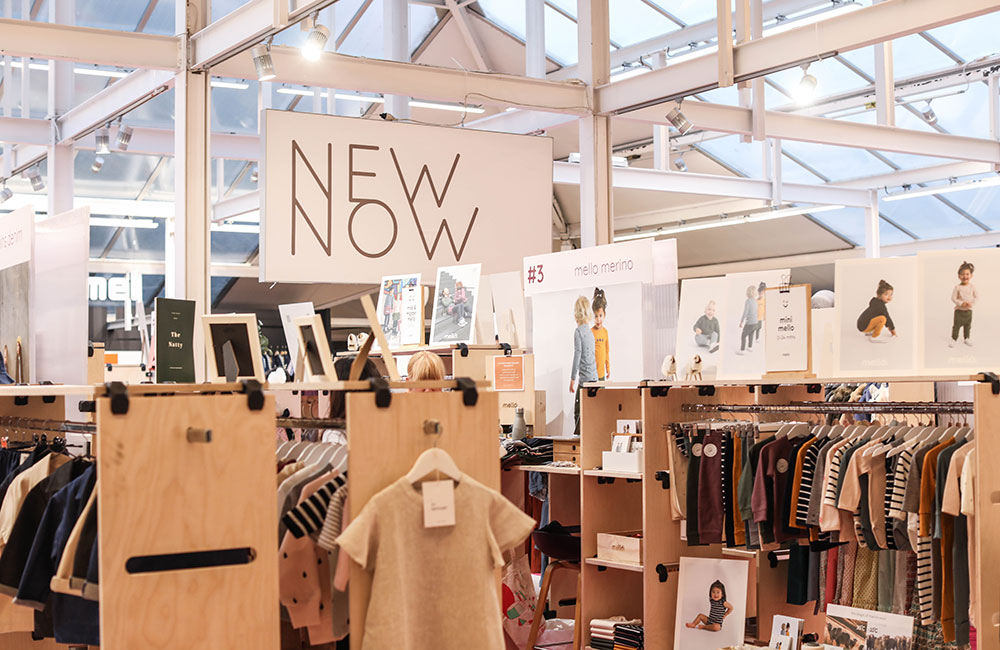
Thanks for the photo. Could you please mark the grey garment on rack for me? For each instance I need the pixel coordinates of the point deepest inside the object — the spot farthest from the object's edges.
(819, 486)
(290, 496)
(960, 565)
(813, 580)
(944, 463)
(886, 579)
(911, 498)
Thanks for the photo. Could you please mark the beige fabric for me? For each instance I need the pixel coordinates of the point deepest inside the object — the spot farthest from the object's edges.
(19, 489)
(60, 582)
(434, 587)
(968, 488)
(288, 470)
(951, 503)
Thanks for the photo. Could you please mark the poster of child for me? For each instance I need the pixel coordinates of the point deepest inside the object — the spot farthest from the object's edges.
(877, 324)
(957, 309)
(399, 297)
(742, 341)
(711, 603)
(455, 304)
(700, 328)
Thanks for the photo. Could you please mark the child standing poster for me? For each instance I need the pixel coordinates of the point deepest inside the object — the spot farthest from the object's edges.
(877, 319)
(711, 603)
(958, 309)
(742, 343)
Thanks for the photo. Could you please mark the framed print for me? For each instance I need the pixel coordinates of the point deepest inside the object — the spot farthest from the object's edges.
(239, 333)
(315, 346)
(454, 308)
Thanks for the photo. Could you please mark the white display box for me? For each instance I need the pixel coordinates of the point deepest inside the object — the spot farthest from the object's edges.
(612, 461)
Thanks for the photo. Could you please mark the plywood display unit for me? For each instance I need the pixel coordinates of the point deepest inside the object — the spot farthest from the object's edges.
(643, 502)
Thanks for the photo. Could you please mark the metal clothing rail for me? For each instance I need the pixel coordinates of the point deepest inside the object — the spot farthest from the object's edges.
(914, 408)
(311, 423)
(10, 422)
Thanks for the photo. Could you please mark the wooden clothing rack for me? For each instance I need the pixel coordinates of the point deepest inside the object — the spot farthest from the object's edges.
(617, 501)
(166, 497)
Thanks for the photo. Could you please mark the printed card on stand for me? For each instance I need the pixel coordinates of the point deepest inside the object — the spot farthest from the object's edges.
(742, 318)
(786, 632)
(700, 329)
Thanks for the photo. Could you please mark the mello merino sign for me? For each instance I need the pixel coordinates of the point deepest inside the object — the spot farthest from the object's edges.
(352, 200)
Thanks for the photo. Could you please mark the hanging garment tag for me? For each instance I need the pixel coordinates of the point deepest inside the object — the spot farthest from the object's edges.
(439, 504)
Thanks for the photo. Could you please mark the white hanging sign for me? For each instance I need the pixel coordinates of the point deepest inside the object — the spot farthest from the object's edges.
(353, 200)
(15, 237)
(788, 328)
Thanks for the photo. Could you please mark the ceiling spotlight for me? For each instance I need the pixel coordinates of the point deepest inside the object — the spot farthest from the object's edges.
(806, 88)
(5, 194)
(35, 176)
(254, 175)
(929, 115)
(98, 163)
(680, 164)
(103, 139)
(262, 62)
(315, 43)
(677, 119)
(124, 137)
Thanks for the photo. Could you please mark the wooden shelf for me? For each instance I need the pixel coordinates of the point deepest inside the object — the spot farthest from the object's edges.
(611, 564)
(548, 469)
(610, 474)
(799, 382)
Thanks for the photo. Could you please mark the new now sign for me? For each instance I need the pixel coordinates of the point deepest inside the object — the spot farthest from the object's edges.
(352, 200)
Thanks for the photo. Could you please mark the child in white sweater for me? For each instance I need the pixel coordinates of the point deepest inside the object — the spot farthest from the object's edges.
(964, 297)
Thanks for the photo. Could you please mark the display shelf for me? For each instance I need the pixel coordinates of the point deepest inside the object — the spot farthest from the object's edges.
(618, 385)
(548, 469)
(636, 476)
(611, 564)
(794, 381)
(47, 390)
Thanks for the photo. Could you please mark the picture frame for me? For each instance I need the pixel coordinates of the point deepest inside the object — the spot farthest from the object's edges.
(314, 347)
(621, 444)
(456, 295)
(240, 330)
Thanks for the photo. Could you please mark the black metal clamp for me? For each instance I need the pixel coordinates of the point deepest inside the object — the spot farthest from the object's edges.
(47, 399)
(592, 391)
(507, 350)
(662, 572)
(706, 391)
(383, 396)
(255, 394)
(663, 476)
(87, 406)
(768, 389)
(118, 394)
(470, 394)
(991, 378)
(463, 349)
(20, 400)
(814, 388)
(605, 480)
(659, 391)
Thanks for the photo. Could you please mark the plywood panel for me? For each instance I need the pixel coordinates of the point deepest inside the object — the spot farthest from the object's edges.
(987, 520)
(599, 414)
(385, 442)
(160, 494)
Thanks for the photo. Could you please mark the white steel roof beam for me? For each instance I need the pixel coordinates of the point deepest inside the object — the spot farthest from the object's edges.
(423, 81)
(88, 45)
(117, 99)
(841, 33)
(735, 119)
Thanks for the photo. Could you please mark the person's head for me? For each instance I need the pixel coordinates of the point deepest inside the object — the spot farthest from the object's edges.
(761, 287)
(342, 366)
(884, 291)
(459, 285)
(445, 292)
(710, 309)
(425, 366)
(600, 306)
(581, 311)
(751, 291)
(717, 591)
(965, 272)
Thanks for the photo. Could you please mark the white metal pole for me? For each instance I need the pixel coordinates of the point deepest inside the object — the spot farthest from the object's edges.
(396, 40)
(872, 244)
(534, 42)
(59, 184)
(192, 185)
(596, 212)
(885, 84)
(994, 104)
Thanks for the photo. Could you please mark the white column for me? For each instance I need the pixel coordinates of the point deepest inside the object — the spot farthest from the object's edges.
(59, 183)
(872, 244)
(775, 172)
(724, 25)
(596, 214)
(25, 68)
(885, 85)
(7, 103)
(994, 104)
(662, 158)
(757, 85)
(534, 40)
(396, 39)
(188, 271)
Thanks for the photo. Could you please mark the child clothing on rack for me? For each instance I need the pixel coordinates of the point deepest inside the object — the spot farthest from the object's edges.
(456, 564)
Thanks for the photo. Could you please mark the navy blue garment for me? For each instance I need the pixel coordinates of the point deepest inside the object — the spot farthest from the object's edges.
(39, 452)
(4, 377)
(73, 620)
(15, 554)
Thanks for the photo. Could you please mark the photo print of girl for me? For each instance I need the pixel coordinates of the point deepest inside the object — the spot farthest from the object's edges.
(743, 340)
(877, 326)
(956, 309)
(602, 346)
(718, 609)
(719, 622)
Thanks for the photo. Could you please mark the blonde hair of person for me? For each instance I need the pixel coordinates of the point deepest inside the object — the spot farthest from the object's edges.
(425, 366)
(581, 311)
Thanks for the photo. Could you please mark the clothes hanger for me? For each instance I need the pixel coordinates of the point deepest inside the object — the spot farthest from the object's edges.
(434, 460)
(798, 430)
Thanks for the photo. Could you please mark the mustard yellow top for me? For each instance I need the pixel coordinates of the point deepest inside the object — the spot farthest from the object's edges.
(602, 352)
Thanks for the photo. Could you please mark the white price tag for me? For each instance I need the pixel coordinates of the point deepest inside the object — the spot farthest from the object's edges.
(439, 504)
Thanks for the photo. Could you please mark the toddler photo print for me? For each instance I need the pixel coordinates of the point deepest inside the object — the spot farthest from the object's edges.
(877, 321)
(711, 603)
